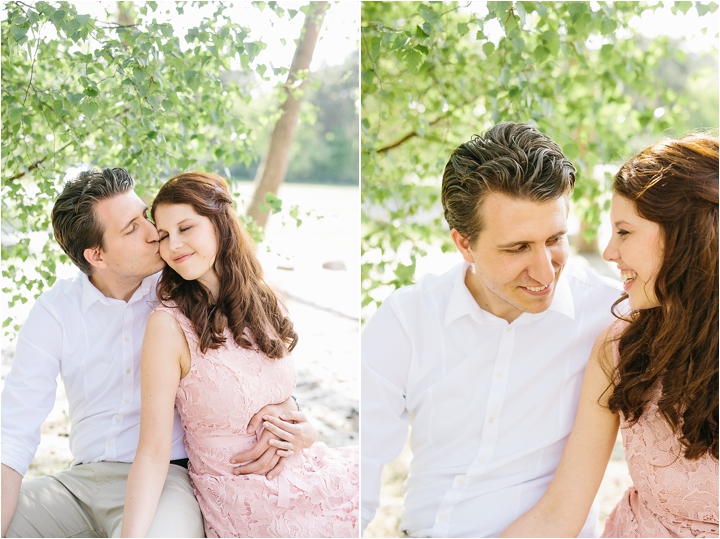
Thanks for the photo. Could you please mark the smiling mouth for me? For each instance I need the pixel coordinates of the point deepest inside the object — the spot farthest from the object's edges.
(537, 290)
(182, 258)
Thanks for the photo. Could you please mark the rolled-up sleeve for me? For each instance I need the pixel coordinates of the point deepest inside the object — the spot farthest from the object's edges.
(386, 357)
(29, 391)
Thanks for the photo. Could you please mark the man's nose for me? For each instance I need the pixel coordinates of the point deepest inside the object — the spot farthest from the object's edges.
(152, 233)
(542, 269)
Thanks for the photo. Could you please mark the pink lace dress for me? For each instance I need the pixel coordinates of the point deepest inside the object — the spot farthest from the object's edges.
(671, 496)
(316, 495)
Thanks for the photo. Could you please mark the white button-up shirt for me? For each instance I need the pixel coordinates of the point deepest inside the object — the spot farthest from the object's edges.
(94, 343)
(491, 404)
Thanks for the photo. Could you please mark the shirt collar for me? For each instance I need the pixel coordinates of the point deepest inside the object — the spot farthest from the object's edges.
(90, 294)
(462, 303)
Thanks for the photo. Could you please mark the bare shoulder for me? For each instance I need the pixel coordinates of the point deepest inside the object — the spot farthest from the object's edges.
(603, 351)
(164, 330)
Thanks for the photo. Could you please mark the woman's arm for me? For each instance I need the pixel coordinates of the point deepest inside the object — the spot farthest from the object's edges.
(164, 347)
(562, 510)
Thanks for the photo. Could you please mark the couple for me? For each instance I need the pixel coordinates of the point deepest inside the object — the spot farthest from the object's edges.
(511, 433)
(216, 346)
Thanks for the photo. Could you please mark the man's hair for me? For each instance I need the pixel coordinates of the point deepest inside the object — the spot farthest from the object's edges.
(513, 159)
(75, 224)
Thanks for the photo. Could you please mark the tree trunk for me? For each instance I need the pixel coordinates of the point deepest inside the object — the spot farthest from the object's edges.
(274, 164)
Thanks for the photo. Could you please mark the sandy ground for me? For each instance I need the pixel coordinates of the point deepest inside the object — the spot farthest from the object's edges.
(323, 304)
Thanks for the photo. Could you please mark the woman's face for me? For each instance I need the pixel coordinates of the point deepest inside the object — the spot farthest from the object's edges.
(188, 243)
(636, 246)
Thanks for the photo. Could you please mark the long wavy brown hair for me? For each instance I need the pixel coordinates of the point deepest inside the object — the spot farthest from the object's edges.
(244, 300)
(675, 183)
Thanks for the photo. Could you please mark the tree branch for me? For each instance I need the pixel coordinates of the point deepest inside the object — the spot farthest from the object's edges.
(35, 165)
(411, 135)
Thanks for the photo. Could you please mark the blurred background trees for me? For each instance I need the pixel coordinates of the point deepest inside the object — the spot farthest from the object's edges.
(589, 74)
(157, 88)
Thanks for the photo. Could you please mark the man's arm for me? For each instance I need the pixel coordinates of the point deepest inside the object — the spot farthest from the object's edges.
(28, 397)
(386, 354)
(11, 481)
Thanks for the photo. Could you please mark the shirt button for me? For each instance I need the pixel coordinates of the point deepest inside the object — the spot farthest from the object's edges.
(509, 329)
(443, 518)
(460, 482)
(127, 339)
(117, 420)
(128, 371)
(491, 420)
(127, 400)
(499, 375)
(109, 446)
(481, 460)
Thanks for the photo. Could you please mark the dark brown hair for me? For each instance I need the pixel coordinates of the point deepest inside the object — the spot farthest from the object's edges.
(675, 183)
(74, 222)
(514, 159)
(244, 300)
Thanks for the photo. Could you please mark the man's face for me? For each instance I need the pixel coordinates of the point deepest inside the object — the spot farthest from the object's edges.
(518, 256)
(130, 248)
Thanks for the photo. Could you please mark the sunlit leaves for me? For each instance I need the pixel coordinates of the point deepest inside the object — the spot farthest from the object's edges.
(435, 73)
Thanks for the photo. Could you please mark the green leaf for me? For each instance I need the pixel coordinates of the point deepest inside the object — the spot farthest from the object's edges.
(462, 28)
(413, 59)
(488, 48)
(18, 32)
(375, 43)
(428, 14)
(89, 108)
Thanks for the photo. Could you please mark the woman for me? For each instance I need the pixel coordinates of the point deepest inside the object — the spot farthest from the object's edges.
(218, 348)
(654, 373)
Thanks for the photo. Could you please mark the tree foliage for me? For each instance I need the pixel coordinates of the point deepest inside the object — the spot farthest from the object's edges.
(435, 73)
(78, 91)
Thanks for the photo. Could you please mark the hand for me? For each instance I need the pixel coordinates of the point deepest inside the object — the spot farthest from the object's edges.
(263, 458)
(271, 409)
(294, 431)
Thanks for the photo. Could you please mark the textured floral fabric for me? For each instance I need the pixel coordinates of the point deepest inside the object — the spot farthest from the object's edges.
(670, 496)
(316, 495)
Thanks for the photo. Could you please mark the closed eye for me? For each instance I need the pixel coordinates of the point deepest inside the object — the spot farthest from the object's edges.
(622, 232)
(163, 237)
(517, 250)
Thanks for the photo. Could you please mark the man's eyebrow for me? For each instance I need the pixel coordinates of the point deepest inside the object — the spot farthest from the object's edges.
(525, 242)
(131, 221)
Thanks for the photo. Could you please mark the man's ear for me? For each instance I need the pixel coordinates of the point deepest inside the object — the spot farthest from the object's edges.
(94, 257)
(463, 245)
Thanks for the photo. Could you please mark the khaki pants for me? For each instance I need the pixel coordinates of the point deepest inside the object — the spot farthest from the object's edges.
(87, 501)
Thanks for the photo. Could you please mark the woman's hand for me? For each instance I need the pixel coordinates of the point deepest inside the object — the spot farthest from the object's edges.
(293, 430)
(268, 456)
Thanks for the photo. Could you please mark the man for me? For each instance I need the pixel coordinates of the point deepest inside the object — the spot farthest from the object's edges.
(90, 331)
(484, 362)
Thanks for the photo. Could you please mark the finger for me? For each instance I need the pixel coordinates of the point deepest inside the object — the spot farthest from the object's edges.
(256, 420)
(260, 465)
(272, 474)
(292, 428)
(298, 417)
(248, 456)
(280, 444)
(282, 453)
(253, 454)
(270, 465)
(280, 433)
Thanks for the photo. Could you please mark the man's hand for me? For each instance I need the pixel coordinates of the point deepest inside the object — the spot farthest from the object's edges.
(282, 437)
